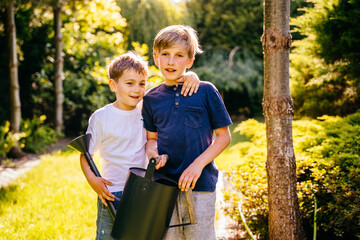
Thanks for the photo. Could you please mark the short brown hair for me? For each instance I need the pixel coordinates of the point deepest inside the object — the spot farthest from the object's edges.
(174, 34)
(129, 60)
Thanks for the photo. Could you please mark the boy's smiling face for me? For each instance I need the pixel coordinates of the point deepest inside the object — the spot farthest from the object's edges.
(129, 89)
(172, 62)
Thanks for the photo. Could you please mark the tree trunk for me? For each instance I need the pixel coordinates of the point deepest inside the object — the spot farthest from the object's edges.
(284, 213)
(59, 66)
(15, 104)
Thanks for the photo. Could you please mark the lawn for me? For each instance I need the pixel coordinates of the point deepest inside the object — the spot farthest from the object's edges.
(54, 201)
(229, 158)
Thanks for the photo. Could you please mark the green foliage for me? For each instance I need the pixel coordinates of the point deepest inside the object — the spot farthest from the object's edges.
(328, 159)
(249, 178)
(34, 136)
(8, 139)
(38, 135)
(92, 36)
(242, 74)
(324, 65)
(227, 24)
(146, 18)
(32, 27)
(338, 35)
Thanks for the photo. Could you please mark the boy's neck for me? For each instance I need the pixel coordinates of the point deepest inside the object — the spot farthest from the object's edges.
(170, 82)
(117, 105)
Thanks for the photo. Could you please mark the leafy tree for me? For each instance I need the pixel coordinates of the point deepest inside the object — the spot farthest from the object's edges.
(92, 36)
(145, 18)
(227, 24)
(339, 35)
(33, 30)
(324, 64)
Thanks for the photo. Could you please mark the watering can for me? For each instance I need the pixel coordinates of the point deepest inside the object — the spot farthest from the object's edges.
(147, 204)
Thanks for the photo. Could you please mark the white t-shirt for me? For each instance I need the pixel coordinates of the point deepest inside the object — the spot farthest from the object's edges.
(120, 138)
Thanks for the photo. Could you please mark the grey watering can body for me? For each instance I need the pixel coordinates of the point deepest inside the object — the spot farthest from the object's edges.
(146, 205)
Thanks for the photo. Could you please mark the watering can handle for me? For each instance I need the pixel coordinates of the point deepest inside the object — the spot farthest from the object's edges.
(150, 169)
(191, 210)
(151, 166)
(191, 206)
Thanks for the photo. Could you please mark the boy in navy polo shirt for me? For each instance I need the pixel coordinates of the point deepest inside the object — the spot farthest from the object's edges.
(183, 128)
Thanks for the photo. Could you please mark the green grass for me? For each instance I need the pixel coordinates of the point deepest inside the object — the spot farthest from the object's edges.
(52, 201)
(230, 157)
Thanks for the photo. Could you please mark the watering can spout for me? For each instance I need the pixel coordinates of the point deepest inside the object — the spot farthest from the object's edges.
(81, 143)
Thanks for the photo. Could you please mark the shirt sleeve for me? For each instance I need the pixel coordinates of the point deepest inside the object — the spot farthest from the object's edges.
(148, 117)
(219, 117)
(96, 131)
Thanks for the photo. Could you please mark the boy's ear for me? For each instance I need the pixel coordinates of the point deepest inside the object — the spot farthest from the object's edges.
(190, 63)
(112, 85)
(156, 59)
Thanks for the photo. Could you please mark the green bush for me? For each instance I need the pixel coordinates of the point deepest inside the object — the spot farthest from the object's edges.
(37, 134)
(328, 159)
(8, 139)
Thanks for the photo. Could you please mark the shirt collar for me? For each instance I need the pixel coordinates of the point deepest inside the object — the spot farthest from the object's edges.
(173, 87)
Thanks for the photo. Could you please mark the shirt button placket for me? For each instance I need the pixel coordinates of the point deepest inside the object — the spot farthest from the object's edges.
(177, 97)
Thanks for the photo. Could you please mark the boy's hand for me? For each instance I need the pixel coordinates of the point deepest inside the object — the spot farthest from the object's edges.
(190, 82)
(190, 176)
(160, 160)
(99, 186)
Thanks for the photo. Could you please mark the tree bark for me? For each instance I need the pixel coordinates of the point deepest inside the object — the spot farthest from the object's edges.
(284, 212)
(59, 66)
(14, 88)
(15, 104)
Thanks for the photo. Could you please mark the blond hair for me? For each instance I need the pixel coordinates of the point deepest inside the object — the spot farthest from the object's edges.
(177, 34)
(129, 60)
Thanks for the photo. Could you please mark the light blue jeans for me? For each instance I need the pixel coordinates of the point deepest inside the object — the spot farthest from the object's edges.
(105, 222)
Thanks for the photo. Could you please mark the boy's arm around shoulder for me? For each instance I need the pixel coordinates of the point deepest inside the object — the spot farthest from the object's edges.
(98, 184)
(191, 174)
(191, 83)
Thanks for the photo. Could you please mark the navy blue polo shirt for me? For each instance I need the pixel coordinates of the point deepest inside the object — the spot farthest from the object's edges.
(184, 126)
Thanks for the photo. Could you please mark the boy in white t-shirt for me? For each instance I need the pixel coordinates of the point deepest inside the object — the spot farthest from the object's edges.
(117, 132)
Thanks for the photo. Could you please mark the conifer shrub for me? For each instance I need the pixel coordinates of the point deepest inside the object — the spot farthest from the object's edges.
(327, 152)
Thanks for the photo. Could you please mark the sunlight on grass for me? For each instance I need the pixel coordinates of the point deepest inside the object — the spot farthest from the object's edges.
(52, 201)
(230, 157)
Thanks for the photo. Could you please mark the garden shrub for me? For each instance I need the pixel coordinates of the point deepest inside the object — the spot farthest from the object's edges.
(38, 135)
(327, 153)
(8, 139)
